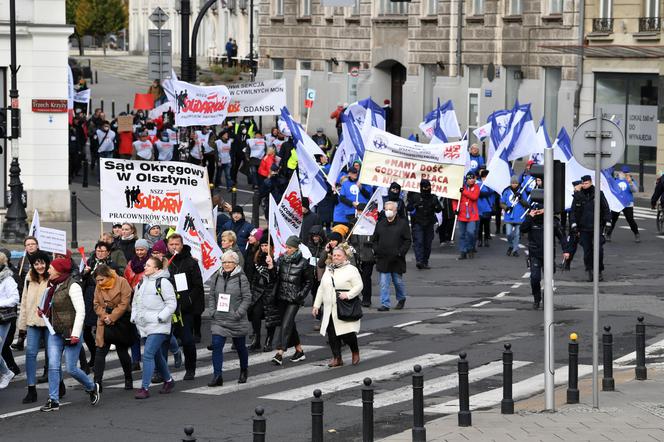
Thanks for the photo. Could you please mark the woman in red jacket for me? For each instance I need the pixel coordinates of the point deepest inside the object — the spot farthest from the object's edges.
(467, 216)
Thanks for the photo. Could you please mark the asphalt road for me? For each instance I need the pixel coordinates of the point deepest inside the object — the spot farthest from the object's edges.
(475, 306)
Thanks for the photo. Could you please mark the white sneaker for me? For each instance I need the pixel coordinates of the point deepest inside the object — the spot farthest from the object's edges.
(5, 379)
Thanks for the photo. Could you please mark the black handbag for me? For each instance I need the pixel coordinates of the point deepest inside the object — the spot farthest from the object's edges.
(347, 309)
(7, 314)
(121, 332)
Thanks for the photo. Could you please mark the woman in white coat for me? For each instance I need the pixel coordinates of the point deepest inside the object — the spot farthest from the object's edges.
(343, 278)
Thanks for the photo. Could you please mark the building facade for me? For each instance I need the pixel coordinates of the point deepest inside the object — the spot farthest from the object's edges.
(484, 55)
(42, 52)
(225, 19)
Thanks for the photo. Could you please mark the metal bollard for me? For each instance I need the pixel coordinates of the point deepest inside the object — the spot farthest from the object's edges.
(608, 384)
(641, 173)
(74, 219)
(367, 411)
(507, 404)
(255, 208)
(464, 392)
(259, 425)
(189, 434)
(317, 417)
(640, 370)
(101, 104)
(85, 171)
(573, 382)
(113, 109)
(419, 431)
(96, 78)
(127, 108)
(233, 196)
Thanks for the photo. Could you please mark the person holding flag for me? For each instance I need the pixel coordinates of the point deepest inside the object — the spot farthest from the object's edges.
(352, 193)
(628, 187)
(515, 204)
(467, 216)
(423, 208)
(361, 240)
(475, 160)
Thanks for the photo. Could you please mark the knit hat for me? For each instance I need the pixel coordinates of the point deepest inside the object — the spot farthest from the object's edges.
(265, 237)
(142, 244)
(238, 209)
(341, 230)
(39, 255)
(514, 179)
(160, 247)
(62, 265)
(293, 241)
(335, 236)
(257, 233)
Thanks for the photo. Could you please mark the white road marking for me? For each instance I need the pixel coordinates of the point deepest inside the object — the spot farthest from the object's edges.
(361, 335)
(436, 385)
(521, 246)
(406, 324)
(280, 375)
(657, 347)
(501, 294)
(517, 285)
(354, 380)
(628, 227)
(480, 304)
(526, 275)
(520, 390)
(27, 410)
(442, 315)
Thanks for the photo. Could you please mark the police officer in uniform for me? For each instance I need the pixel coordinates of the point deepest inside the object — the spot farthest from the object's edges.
(572, 237)
(582, 218)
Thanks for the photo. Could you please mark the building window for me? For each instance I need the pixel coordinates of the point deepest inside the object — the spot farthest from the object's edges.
(475, 76)
(303, 73)
(387, 7)
(552, 78)
(355, 10)
(555, 6)
(512, 82)
(353, 72)
(652, 8)
(305, 8)
(605, 9)
(650, 22)
(329, 68)
(477, 7)
(514, 7)
(431, 7)
(278, 68)
(278, 7)
(429, 81)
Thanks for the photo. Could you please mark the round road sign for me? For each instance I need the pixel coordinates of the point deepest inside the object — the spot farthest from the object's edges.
(612, 146)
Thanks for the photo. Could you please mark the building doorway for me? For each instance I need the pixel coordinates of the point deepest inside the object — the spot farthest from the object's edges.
(397, 73)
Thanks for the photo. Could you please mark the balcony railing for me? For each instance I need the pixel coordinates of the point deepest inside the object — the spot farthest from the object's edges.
(650, 24)
(603, 25)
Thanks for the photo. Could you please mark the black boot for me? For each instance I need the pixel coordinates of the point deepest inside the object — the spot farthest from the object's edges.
(217, 381)
(255, 342)
(267, 347)
(243, 376)
(129, 382)
(31, 396)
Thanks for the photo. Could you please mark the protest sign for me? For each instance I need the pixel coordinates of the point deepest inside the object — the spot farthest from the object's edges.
(204, 248)
(125, 123)
(52, 240)
(389, 158)
(290, 206)
(199, 105)
(152, 192)
(257, 98)
(82, 96)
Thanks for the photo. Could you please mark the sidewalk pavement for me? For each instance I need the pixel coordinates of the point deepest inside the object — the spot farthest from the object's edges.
(634, 412)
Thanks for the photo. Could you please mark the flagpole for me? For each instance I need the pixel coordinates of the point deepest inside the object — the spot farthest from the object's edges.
(363, 212)
(306, 125)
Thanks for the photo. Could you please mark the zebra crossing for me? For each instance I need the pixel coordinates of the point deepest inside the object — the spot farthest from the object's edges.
(644, 213)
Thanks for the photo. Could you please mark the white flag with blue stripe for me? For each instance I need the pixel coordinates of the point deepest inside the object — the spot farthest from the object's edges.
(543, 142)
(441, 123)
(299, 135)
(359, 109)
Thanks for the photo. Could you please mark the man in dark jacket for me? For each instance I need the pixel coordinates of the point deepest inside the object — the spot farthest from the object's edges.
(240, 226)
(394, 194)
(582, 221)
(533, 226)
(365, 255)
(185, 275)
(423, 207)
(391, 241)
(309, 219)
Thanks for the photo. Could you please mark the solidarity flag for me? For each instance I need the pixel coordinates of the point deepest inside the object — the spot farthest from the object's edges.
(204, 248)
(562, 147)
(289, 209)
(351, 145)
(199, 105)
(312, 179)
(366, 223)
(82, 96)
(279, 229)
(441, 123)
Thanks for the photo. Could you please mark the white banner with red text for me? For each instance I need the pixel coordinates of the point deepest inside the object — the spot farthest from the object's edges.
(204, 248)
(257, 98)
(199, 105)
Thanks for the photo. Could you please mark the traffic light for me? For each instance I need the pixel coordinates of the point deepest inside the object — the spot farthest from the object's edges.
(537, 195)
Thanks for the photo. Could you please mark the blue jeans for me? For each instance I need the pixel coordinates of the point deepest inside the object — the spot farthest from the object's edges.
(4, 329)
(153, 356)
(34, 336)
(422, 238)
(56, 346)
(218, 352)
(399, 287)
(466, 235)
(224, 169)
(136, 347)
(513, 235)
(172, 346)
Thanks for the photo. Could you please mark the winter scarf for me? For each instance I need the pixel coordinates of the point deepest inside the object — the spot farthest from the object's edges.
(292, 258)
(138, 264)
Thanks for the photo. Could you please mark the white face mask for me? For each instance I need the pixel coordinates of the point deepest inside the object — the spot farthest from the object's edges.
(389, 213)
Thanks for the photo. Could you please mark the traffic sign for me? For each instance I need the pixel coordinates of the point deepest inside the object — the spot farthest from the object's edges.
(354, 71)
(309, 100)
(158, 17)
(612, 145)
(159, 54)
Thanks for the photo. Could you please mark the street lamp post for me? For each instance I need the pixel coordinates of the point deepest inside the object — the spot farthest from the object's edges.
(15, 227)
(185, 13)
(251, 40)
(194, 35)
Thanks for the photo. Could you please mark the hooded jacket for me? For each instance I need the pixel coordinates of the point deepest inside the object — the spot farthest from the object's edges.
(423, 206)
(233, 323)
(294, 279)
(191, 300)
(151, 310)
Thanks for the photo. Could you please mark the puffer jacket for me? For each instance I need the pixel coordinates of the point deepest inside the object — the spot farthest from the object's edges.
(151, 312)
(9, 296)
(191, 300)
(293, 278)
(32, 294)
(233, 323)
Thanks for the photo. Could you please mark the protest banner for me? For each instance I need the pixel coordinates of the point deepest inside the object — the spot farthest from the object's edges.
(125, 123)
(290, 206)
(257, 98)
(204, 248)
(52, 240)
(82, 96)
(152, 192)
(389, 158)
(199, 105)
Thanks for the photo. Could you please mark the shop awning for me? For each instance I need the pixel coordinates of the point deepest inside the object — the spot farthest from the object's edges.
(610, 50)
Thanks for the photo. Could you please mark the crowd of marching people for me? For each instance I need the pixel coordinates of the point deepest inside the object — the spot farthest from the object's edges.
(143, 294)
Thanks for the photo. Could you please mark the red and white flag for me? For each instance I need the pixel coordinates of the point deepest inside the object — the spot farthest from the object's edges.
(289, 208)
(194, 234)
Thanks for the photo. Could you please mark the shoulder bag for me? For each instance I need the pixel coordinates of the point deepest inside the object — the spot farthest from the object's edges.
(347, 309)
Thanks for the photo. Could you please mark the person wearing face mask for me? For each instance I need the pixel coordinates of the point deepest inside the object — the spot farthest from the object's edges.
(533, 226)
(254, 154)
(165, 147)
(391, 241)
(143, 149)
(223, 145)
(238, 147)
(394, 194)
(628, 186)
(467, 216)
(423, 207)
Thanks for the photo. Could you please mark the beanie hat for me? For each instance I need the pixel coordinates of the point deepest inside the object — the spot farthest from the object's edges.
(142, 244)
(39, 255)
(335, 236)
(514, 179)
(238, 209)
(62, 265)
(160, 247)
(257, 233)
(264, 237)
(341, 230)
(293, 241)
